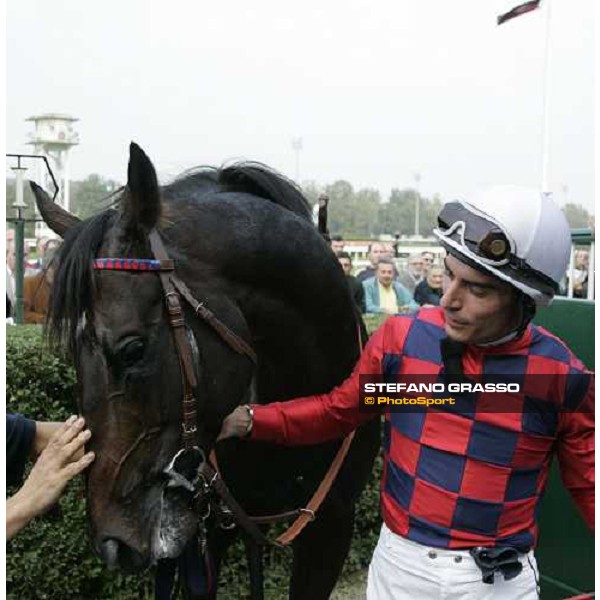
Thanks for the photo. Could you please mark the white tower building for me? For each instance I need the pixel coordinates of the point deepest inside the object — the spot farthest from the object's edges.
(53, 137)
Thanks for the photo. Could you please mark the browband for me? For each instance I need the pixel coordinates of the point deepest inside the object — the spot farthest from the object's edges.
(132, 264)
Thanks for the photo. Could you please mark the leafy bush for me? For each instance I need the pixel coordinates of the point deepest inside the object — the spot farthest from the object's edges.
(52, 558)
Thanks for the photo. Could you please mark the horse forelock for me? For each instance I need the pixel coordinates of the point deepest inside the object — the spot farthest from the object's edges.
(73, 288)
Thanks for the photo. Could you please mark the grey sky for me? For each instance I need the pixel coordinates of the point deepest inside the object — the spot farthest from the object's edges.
(377, 90)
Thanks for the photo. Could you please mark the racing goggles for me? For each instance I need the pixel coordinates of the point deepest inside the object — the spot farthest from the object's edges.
(477, 233)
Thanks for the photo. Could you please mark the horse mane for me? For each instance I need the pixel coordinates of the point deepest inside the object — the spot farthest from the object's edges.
(246, 177)
(73, 288)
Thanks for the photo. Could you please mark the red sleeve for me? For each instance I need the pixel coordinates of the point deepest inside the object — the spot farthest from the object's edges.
(324, 417)
(576, 446)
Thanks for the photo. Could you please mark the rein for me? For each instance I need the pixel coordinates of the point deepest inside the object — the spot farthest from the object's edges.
(202, 479)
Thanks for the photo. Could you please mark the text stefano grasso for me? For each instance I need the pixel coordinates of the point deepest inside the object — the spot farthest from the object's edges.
(419, 388)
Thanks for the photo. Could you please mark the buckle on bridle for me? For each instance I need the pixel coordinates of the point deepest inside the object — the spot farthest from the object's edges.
(188, 430)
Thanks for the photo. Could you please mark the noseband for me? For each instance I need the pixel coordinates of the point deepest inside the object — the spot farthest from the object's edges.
(189, 468)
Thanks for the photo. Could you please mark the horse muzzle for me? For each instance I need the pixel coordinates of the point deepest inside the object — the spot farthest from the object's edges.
(119, 555)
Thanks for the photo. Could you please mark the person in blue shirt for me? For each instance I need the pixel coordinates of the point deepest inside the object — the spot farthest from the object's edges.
(383, 294)
(59, 449)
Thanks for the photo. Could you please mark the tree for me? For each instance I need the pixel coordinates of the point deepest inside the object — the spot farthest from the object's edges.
(577, 216)
(398, 214)
(92, 195)
(311, 191)
(366, 203)
(341, 199)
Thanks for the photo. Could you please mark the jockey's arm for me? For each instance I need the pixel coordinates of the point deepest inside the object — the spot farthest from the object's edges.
(312, 419)
(576, 459)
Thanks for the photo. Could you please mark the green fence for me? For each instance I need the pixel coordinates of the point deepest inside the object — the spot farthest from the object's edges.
(566, 548)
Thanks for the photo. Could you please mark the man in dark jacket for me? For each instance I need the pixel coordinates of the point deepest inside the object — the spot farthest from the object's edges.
(429, 291)
(356, 289)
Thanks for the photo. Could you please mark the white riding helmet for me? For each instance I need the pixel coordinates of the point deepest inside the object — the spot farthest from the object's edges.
(517, 234)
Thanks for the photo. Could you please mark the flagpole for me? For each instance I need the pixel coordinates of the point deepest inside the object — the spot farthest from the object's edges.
(545, 183)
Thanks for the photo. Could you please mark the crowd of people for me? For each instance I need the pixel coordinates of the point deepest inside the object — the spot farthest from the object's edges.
(382, 288)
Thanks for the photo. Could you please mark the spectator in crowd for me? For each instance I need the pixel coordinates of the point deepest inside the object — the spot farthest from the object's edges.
(376, 249)
(36, 291)
(580, 274)
(30, 267)
(413, 273)
(337, 244)
(383, 294)
(356, 288)
(428, 260)
(59, 452)
(461, 487)
(40, 248)
(11, 259)
(10, 236)
(388, 251)
(429, 291)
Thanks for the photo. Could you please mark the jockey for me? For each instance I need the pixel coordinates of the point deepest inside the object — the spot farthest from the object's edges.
(460, 487)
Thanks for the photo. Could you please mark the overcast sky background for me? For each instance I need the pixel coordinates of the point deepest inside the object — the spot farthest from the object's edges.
(377, 90)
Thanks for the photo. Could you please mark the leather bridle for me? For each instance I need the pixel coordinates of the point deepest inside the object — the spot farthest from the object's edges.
(204, 479)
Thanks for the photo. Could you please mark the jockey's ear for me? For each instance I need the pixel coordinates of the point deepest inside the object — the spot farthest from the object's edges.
(141, 202)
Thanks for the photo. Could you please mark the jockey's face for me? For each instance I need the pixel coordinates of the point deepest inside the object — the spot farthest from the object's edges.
(478, 308)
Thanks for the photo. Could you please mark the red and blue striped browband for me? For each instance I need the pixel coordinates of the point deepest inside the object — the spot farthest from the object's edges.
(132, 264)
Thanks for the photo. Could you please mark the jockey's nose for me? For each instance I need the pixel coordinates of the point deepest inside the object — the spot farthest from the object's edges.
(451, 297)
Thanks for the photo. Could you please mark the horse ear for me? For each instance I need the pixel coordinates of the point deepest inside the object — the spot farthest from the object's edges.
(141, 204)
(55, 216)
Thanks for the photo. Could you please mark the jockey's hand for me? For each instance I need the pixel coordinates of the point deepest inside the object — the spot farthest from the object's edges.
(236, 424)
(61, 460)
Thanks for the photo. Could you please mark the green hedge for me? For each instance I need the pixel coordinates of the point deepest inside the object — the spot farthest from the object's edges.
(52, 558)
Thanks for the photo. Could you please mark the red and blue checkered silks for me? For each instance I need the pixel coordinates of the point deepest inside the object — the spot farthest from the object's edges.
(451, 479)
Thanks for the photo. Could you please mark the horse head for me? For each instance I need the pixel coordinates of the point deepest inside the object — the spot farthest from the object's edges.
(129, 372)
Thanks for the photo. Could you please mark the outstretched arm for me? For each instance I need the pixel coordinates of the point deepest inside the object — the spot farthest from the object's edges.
(311, 419)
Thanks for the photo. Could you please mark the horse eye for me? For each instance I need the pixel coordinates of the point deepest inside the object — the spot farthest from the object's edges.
(132, 352)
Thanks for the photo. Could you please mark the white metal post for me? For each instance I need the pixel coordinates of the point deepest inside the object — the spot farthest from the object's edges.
(547, 96)
(571, 273)
(590, 290)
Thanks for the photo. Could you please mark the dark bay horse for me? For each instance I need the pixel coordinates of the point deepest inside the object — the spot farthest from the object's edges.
(243, 242)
